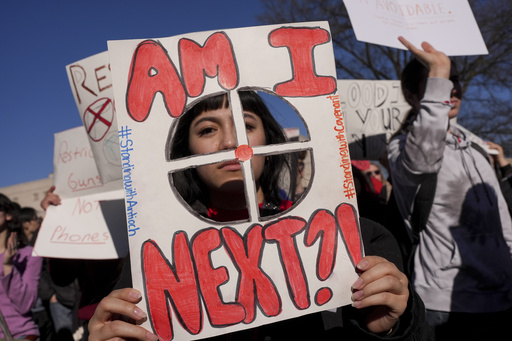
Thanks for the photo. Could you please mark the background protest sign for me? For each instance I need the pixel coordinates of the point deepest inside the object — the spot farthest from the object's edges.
(91, 84)
(77, 228)
(195, 284)
(383, 21)
(373, 110)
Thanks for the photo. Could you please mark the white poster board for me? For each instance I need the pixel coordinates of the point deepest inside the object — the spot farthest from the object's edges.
(77, 228)
(448, 25)
(373, 110)
(91, 83)
(155, 82)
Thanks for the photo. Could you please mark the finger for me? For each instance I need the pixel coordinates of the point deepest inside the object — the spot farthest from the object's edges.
(408, 44)
(120, 302)
(386, 292)
(376, 268)
(119, 329)
(395, 305)
(427, 47)
(387, 284)
(380, 284)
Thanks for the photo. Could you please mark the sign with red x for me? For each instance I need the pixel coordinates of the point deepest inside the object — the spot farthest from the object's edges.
(91, 84)
(98, 118)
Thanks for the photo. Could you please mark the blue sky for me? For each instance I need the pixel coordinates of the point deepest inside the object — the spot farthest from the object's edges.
(39, 38)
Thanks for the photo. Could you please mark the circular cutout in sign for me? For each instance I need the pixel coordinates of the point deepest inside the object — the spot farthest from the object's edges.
(277, 162)
(98, 118)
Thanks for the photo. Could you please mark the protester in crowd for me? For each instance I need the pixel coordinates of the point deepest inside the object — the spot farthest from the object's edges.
(19, 275)
(384, 306)
(55, 307)
(463, 230)
(88, 280)
(375, 201)
(30, 224)
(374, 182)
(375, 172)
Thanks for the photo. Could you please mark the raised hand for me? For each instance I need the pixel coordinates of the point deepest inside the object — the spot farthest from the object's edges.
(435, 61)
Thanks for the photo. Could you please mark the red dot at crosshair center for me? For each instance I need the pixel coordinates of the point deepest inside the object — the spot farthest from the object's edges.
(243, 152)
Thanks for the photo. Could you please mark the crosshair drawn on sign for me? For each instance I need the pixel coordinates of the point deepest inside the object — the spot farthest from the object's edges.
(98, 118)
(242, 152)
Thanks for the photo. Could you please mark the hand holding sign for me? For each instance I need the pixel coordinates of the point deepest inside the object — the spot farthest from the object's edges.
(379, 279)
(436, 61)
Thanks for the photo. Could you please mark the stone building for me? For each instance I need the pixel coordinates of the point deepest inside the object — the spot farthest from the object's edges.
(29, 193)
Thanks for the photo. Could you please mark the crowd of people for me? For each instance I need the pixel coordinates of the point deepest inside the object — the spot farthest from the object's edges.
(437, 231)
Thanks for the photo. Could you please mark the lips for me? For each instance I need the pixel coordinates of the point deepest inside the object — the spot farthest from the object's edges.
(231, 165)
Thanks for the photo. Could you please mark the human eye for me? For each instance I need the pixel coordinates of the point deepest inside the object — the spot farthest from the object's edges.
(205, 131)
(249, 126)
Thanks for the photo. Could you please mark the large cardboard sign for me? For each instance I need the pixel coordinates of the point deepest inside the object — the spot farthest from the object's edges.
(201, 277)
(77, 227)
(373, 111)
(383, 21)
(91, 83)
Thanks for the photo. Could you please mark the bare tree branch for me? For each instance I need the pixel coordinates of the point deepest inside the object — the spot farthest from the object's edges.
(486, 80)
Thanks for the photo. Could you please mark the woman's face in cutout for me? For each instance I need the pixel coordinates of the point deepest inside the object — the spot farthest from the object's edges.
(213, 131)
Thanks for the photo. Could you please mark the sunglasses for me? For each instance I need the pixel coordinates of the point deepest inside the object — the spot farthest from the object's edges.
(369, 173)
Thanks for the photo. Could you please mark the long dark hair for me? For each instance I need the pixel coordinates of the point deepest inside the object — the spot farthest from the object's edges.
(410, 79)
(190, 186)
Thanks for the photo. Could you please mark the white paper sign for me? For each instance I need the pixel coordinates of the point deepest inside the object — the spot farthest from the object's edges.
(448, 25)
(77, 228)
(476, 139)
(287, 273)
(373, 110)
(91, 83)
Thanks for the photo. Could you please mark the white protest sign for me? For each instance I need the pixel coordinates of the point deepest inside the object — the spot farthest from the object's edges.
(91, 84)
(475, 138)
(373, 111)
(448, 25)
(201, 277)
(77, 228)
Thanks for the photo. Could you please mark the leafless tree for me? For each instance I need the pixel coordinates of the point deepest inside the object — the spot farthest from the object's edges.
(486, 80)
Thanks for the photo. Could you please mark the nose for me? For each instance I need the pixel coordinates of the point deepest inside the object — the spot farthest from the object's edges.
(228, 140)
